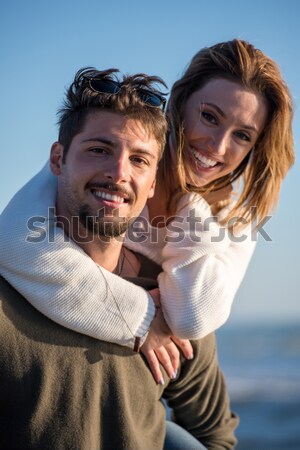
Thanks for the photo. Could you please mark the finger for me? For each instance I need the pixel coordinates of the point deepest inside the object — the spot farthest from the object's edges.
(155, 294)
(154, 366)
(185, 346)
(164, 359)
(174, 355)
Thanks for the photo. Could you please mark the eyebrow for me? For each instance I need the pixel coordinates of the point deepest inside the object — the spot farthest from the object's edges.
(140, 151)
(221, 112)
(99, 139)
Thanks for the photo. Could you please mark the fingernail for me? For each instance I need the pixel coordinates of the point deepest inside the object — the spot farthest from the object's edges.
(174, 375)
(161, 381)
(191, 356)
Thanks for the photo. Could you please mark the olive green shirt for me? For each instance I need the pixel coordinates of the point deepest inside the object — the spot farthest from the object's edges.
(63, 390)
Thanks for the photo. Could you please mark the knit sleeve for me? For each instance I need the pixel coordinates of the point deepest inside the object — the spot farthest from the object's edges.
(203, 266)
(58, 278)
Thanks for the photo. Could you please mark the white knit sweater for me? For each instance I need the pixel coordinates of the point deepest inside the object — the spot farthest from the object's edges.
(201, 272)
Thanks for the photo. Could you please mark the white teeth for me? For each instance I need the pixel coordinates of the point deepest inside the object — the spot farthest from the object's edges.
(111, 197)
(205, 162)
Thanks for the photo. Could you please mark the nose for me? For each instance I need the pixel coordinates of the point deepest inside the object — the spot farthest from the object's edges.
(118, 169)
(219, 143)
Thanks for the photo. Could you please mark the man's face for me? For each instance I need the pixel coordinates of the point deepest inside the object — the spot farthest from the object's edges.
(108, 175)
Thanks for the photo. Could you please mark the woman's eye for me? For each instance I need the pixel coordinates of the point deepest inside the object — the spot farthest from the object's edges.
(243, 136)
(208, 117)
(138, 160)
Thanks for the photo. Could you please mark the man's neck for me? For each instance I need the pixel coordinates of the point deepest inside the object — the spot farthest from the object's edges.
(104, 251)
(106, 254)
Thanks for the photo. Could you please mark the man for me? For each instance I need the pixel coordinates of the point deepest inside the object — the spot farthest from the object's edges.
(64, 390)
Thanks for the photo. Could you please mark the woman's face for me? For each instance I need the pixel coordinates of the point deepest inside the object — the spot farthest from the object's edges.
(223, 121)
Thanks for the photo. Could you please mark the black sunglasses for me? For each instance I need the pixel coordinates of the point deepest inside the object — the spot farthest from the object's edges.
(108, 86)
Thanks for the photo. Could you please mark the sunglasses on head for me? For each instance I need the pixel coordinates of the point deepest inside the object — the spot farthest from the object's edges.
(109, 86)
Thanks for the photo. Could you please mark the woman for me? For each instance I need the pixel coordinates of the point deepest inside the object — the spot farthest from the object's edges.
(231, 117)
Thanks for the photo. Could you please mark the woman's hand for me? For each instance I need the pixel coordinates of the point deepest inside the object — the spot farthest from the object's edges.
(161, 347)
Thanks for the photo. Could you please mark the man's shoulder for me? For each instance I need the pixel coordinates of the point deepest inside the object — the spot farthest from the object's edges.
(7, 291)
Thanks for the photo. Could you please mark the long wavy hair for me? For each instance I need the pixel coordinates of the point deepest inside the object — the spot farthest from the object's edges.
(264, 168)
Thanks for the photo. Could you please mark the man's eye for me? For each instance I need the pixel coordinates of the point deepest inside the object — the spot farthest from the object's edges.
(208, 117)
(99, 150)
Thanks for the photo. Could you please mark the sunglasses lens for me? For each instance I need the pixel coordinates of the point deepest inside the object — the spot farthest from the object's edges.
(105, 86)
(152, 99)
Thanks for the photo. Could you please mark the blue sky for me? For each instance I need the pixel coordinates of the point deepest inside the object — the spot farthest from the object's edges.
(44, 43)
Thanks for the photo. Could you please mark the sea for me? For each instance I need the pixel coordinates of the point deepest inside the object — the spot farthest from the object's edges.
(261, 364)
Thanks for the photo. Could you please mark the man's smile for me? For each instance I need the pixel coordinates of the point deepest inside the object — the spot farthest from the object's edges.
(115, 198)
(111, 195)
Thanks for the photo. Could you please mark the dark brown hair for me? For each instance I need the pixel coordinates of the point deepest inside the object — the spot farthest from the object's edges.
(81, 101)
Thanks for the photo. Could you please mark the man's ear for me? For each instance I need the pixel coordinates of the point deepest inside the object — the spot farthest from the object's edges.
(56, 156)
(152, 189)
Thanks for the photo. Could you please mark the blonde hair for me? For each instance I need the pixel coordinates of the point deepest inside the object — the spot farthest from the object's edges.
(264, 168)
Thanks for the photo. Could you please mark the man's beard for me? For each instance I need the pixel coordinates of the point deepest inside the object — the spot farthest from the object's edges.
(103, 225)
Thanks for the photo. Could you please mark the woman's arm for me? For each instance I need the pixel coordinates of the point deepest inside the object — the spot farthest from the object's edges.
(61, 281)
(203, 266)
(58, 278)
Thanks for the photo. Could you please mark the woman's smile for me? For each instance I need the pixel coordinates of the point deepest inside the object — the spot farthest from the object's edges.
(223, 121)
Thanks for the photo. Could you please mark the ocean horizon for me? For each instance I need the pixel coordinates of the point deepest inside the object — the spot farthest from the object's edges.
(261, 364)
